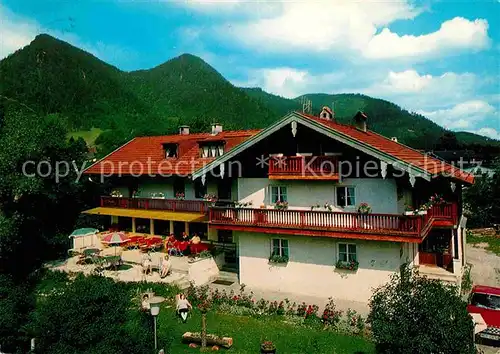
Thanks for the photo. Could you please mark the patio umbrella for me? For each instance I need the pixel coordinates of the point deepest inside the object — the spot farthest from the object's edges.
(83, 232)
(115, 238)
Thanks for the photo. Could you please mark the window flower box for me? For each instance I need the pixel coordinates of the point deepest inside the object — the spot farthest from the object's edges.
(179, 196)
(364, 208)
(278, 259)
(351, 265)
(279, 205)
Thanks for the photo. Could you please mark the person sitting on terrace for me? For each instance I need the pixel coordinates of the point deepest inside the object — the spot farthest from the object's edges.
(147, 264)
(185, 236)
(165, 266)
(195, 239)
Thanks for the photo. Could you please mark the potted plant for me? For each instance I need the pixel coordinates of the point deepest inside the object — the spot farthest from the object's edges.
(364, 208)
(328, 206)
(116, 193)
(179, 196)
(409, 210)
(267, 347)
(279, 205)
(210, 198)
(315, 207)
(347, 265)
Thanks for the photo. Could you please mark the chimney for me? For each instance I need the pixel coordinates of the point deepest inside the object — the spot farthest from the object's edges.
(326, 113)
(184, 130)
(360, 121)
(216, 128)
(394, 139)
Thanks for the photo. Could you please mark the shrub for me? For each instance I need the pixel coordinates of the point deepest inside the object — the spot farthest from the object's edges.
(413, 314)
(331, 316)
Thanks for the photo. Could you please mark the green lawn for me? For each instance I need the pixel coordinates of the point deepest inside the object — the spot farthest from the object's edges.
(249, 332)
(88, 135)
(492, 241)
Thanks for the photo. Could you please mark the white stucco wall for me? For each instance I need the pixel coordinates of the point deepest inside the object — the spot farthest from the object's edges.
(380, 194)
(311, 268)
(166, 187)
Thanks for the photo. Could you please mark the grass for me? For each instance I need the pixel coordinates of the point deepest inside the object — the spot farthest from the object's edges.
(249, 332)
(492, 241)
(89, 136)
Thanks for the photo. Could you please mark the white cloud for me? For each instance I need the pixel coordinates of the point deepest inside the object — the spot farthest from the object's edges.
(417, 91)
(14, 34)
(321, 25)
(489, 132)
(352, 28)
(464, 115)
(453, 35)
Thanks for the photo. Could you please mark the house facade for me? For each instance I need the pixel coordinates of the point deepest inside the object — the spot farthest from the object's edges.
(311, 206)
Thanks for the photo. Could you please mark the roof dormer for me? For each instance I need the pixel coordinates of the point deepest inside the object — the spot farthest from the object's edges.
(326, 113)
(211, 148)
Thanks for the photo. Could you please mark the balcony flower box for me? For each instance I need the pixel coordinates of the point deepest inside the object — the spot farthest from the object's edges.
(364, 208)
(352, 265)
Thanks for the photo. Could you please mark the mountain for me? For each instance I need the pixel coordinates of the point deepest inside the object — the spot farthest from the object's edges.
(53, 77)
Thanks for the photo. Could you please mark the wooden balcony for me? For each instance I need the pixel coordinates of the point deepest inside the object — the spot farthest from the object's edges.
(304, 168)
(303, 222)
(194, 206)
(390, 227)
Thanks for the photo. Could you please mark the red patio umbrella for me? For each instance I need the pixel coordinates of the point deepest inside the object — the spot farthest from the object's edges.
(115, 238)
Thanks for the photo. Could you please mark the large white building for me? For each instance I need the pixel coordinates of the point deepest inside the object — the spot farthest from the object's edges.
(311, 206)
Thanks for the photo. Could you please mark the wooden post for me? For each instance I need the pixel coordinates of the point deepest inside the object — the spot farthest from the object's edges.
(151, 226)
(203, 330)
(171, 227)
(133, 225)
(186, 228)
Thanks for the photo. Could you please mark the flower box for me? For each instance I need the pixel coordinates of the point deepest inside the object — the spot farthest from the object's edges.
(409, 213)
(422, 212)
(278, 259)
(352, 265)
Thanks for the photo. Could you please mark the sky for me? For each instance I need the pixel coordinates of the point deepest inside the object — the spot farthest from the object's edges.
(438, 58)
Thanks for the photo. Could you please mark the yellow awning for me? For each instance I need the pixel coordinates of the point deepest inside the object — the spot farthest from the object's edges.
(149, 214)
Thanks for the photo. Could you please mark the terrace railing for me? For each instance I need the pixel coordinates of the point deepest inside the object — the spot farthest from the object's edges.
(304, 166)
(195, 206)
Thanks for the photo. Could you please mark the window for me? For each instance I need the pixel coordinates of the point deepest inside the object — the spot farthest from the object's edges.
(345, 196)
(347, 252)
(212, 150)
(170, 150)
(279, 248)
(199, 189)
(278, 193)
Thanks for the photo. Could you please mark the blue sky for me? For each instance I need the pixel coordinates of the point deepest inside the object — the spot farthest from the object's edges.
(438, 58)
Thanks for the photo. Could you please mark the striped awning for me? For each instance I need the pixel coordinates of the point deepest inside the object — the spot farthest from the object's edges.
(149, 214)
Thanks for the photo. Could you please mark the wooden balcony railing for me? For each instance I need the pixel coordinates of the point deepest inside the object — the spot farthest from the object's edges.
(325, 167)
(194, 206)
(318, 220)
(393, 224)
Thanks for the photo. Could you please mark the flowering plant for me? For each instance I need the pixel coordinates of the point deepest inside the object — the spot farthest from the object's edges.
(116, 193)
(275, 258)
(409, 208)
(281, 205)
(179, 196)
(331, 316)
(349, 265)
(243, 205)
(204, 306)
(364, 208)
(210, 198)
(159, 195)
(267, 345)
(315, 206)
(436, 199)
(328, 206)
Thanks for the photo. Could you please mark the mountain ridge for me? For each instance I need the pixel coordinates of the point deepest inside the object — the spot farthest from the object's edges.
(54, 77)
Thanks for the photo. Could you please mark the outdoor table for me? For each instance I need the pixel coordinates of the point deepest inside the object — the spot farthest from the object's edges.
(113, 261)
(91, 251)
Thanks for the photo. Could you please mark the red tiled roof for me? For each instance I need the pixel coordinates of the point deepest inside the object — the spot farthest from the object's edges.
(401, 152)
(145, 155)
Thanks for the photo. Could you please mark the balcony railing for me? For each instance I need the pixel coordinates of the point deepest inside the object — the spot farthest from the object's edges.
(393, 224)
(194, 206)
(318, 220)
(304, 166)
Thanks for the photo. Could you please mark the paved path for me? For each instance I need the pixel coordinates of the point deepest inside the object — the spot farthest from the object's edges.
(485, 265)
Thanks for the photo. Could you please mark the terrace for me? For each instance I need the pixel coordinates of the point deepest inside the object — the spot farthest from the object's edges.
(192, 206)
